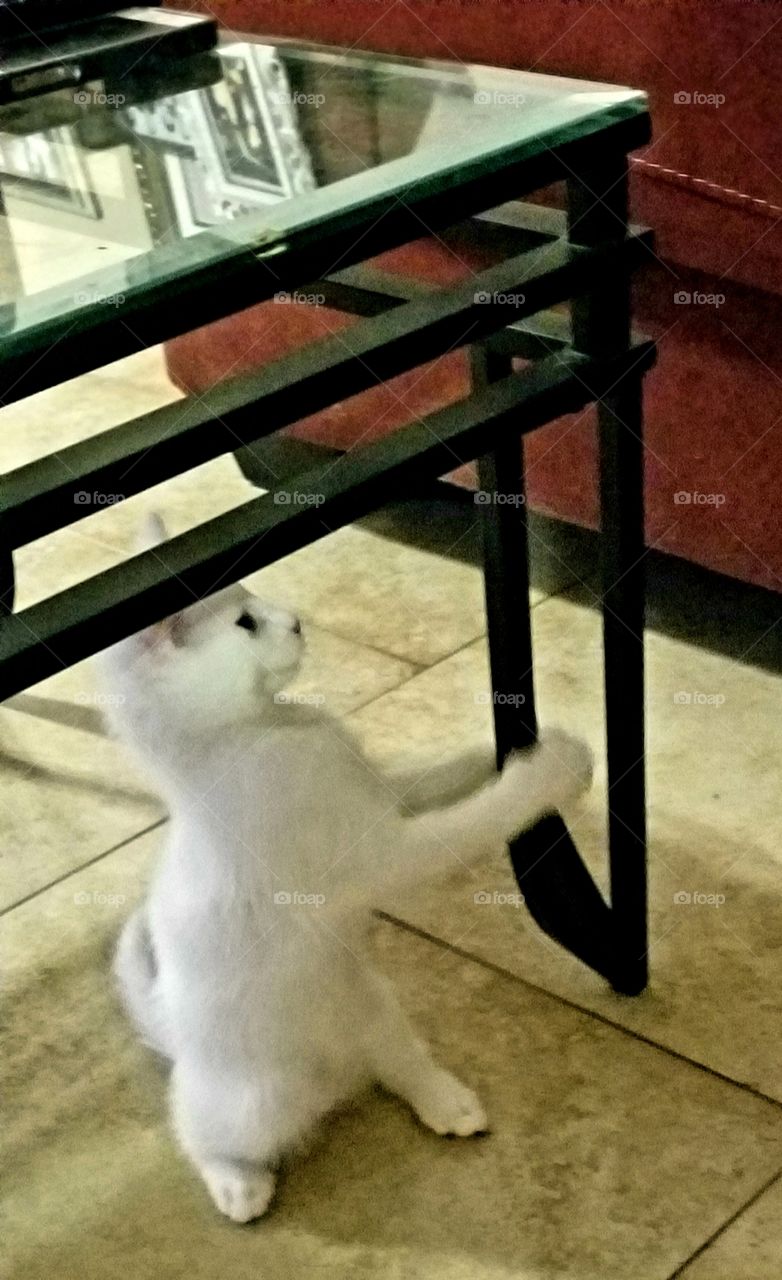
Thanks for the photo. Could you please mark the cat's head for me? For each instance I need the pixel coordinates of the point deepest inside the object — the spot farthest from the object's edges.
(219, 661)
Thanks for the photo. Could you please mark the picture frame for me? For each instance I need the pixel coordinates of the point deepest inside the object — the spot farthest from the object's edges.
(230, 149)
(48, 169)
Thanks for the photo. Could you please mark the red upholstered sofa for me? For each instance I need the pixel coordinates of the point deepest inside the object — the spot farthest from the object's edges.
(709, 184)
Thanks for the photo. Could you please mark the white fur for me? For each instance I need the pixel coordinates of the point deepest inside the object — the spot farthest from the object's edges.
(271, 1010)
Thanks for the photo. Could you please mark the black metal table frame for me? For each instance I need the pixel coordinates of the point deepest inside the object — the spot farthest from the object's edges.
(584, 257)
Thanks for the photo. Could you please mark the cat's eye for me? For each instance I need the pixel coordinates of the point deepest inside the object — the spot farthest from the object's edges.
(247, 621)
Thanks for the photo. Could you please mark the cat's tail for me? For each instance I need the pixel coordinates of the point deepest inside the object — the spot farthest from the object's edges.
(540, 780)
(136, 974)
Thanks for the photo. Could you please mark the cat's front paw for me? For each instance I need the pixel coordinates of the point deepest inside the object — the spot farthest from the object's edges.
(242, 1195)
(567, 766)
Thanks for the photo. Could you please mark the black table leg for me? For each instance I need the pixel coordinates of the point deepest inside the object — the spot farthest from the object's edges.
(597, 211)
(622, 549)
(558, 890)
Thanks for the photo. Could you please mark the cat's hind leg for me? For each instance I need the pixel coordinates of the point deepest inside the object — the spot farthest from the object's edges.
(136, 972)
(402, 1063)
(232, 1133)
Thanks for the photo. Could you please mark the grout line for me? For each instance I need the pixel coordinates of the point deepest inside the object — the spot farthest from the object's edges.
(421, 667)
(578, 1008)
(432, 666)
(365, 644)
(36, 893)
(384, 693)
(753, 1199)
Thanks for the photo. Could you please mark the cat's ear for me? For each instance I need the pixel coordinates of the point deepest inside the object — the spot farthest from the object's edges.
(152, 532)
(171, 630)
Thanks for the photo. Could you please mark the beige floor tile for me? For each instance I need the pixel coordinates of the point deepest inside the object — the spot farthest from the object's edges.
(67, 795)
(70, 794)
(367, 588)
(74, 410)
(715, 830)
(608, 1159)
(750, 1249)
(345, 675)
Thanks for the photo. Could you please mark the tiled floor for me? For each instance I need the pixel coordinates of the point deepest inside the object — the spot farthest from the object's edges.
(631, 1139)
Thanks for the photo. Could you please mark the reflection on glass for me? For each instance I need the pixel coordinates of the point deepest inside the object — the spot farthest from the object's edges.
(147, 178)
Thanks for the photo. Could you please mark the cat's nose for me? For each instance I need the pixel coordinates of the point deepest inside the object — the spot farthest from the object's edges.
(296, 627)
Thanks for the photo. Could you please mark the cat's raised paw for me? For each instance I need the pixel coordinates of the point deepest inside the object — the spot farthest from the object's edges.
(451, 1109)
(568, 765)
(241, 1195)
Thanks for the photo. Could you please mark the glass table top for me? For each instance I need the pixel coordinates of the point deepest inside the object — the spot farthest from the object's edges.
(119, 187)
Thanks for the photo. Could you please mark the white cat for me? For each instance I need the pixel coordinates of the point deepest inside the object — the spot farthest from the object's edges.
(248, 963)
